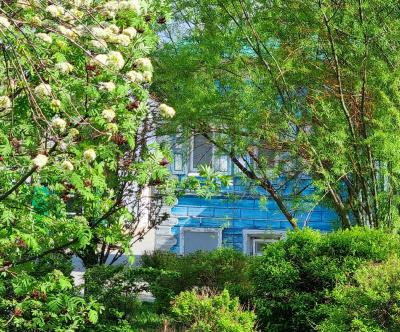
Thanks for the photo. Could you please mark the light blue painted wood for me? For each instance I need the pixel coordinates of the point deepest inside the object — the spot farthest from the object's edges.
(245, 212)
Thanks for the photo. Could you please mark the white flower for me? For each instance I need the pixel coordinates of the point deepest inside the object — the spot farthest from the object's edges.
(113, 28)
(144, 64)
(67, 165)
(115, 60)
(123, 40)
(43, 90)
(40, 161)
(89, 155)
(63, 146)
(79, 30)
(59, 124)
(5, 102)
(45, 37)
(167, 111)
(68, 17)
(4, 22)
(147, 76)
(99, 32)
(83, 3)
(55, 11)
(100, 59)
(65, 31)
(74, 132)
(134, 76)
(130, 5)
(107, 86)
(64, 67)
(56, 103)
(36, 20)
(101, 44)
(108, 114)
(130, 32)
(111, 6)
(23, 3)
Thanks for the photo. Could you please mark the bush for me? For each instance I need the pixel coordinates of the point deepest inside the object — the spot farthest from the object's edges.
(117, 288)
(294, 278)
(216, 271)
(369, 302)
(205, 313)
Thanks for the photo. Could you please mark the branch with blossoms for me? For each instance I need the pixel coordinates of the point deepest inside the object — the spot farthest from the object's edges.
(73, 102)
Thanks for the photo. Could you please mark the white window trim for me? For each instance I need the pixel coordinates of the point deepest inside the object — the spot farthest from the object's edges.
(262, 234)
(182, 230)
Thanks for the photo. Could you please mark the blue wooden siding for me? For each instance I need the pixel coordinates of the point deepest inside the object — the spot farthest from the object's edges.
(233, 216)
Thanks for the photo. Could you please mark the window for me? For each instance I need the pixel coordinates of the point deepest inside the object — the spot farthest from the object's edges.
(199, 239)
(255, 240)
(259, 245)
(202, 152)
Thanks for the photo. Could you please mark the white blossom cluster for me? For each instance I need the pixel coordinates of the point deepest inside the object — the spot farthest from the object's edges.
(106, 47)
(167, 111)
(114, 60)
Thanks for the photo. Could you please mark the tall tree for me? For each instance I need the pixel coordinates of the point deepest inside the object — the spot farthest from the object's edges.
(73, 114)
(314, 81)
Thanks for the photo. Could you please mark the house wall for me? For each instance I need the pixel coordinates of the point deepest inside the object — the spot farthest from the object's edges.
(237, 216)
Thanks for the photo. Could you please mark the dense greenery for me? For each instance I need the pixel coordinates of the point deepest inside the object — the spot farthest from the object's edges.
(370, 302)
(215, 271)
(305, 281)
(73, 100)
(205, 313)
(293, 87)
(294, 280)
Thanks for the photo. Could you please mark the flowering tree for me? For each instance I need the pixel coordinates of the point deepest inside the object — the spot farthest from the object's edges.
(73, 154)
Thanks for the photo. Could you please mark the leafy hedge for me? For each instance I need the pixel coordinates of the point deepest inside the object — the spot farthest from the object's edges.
(211, 313)
(216, 271)
(294, 279)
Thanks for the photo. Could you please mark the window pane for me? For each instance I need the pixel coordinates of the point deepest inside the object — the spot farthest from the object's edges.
(202, 151)
(178, 162)
(259, 247)
(195, 241)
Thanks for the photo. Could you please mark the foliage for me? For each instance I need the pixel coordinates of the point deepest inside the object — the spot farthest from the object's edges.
(295, 87)
(294, 278)
(74, 78)
(217, 270)
(206, 313)
(369, 302)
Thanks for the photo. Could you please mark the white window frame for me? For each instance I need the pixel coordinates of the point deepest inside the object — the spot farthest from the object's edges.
(259, 235)
(182, 230)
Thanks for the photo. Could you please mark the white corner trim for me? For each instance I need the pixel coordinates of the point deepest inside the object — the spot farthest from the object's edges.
(261, 233)
(199, 230)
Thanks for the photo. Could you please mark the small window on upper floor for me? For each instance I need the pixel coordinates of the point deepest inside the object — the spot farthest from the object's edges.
(201, 153)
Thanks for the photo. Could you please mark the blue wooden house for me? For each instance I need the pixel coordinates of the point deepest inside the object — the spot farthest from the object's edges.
(241, 217)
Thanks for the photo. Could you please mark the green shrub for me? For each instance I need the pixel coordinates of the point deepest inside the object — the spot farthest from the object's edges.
(295, 277)
(217, 270)
(205, 313)
(117, 288)
(370, 302)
